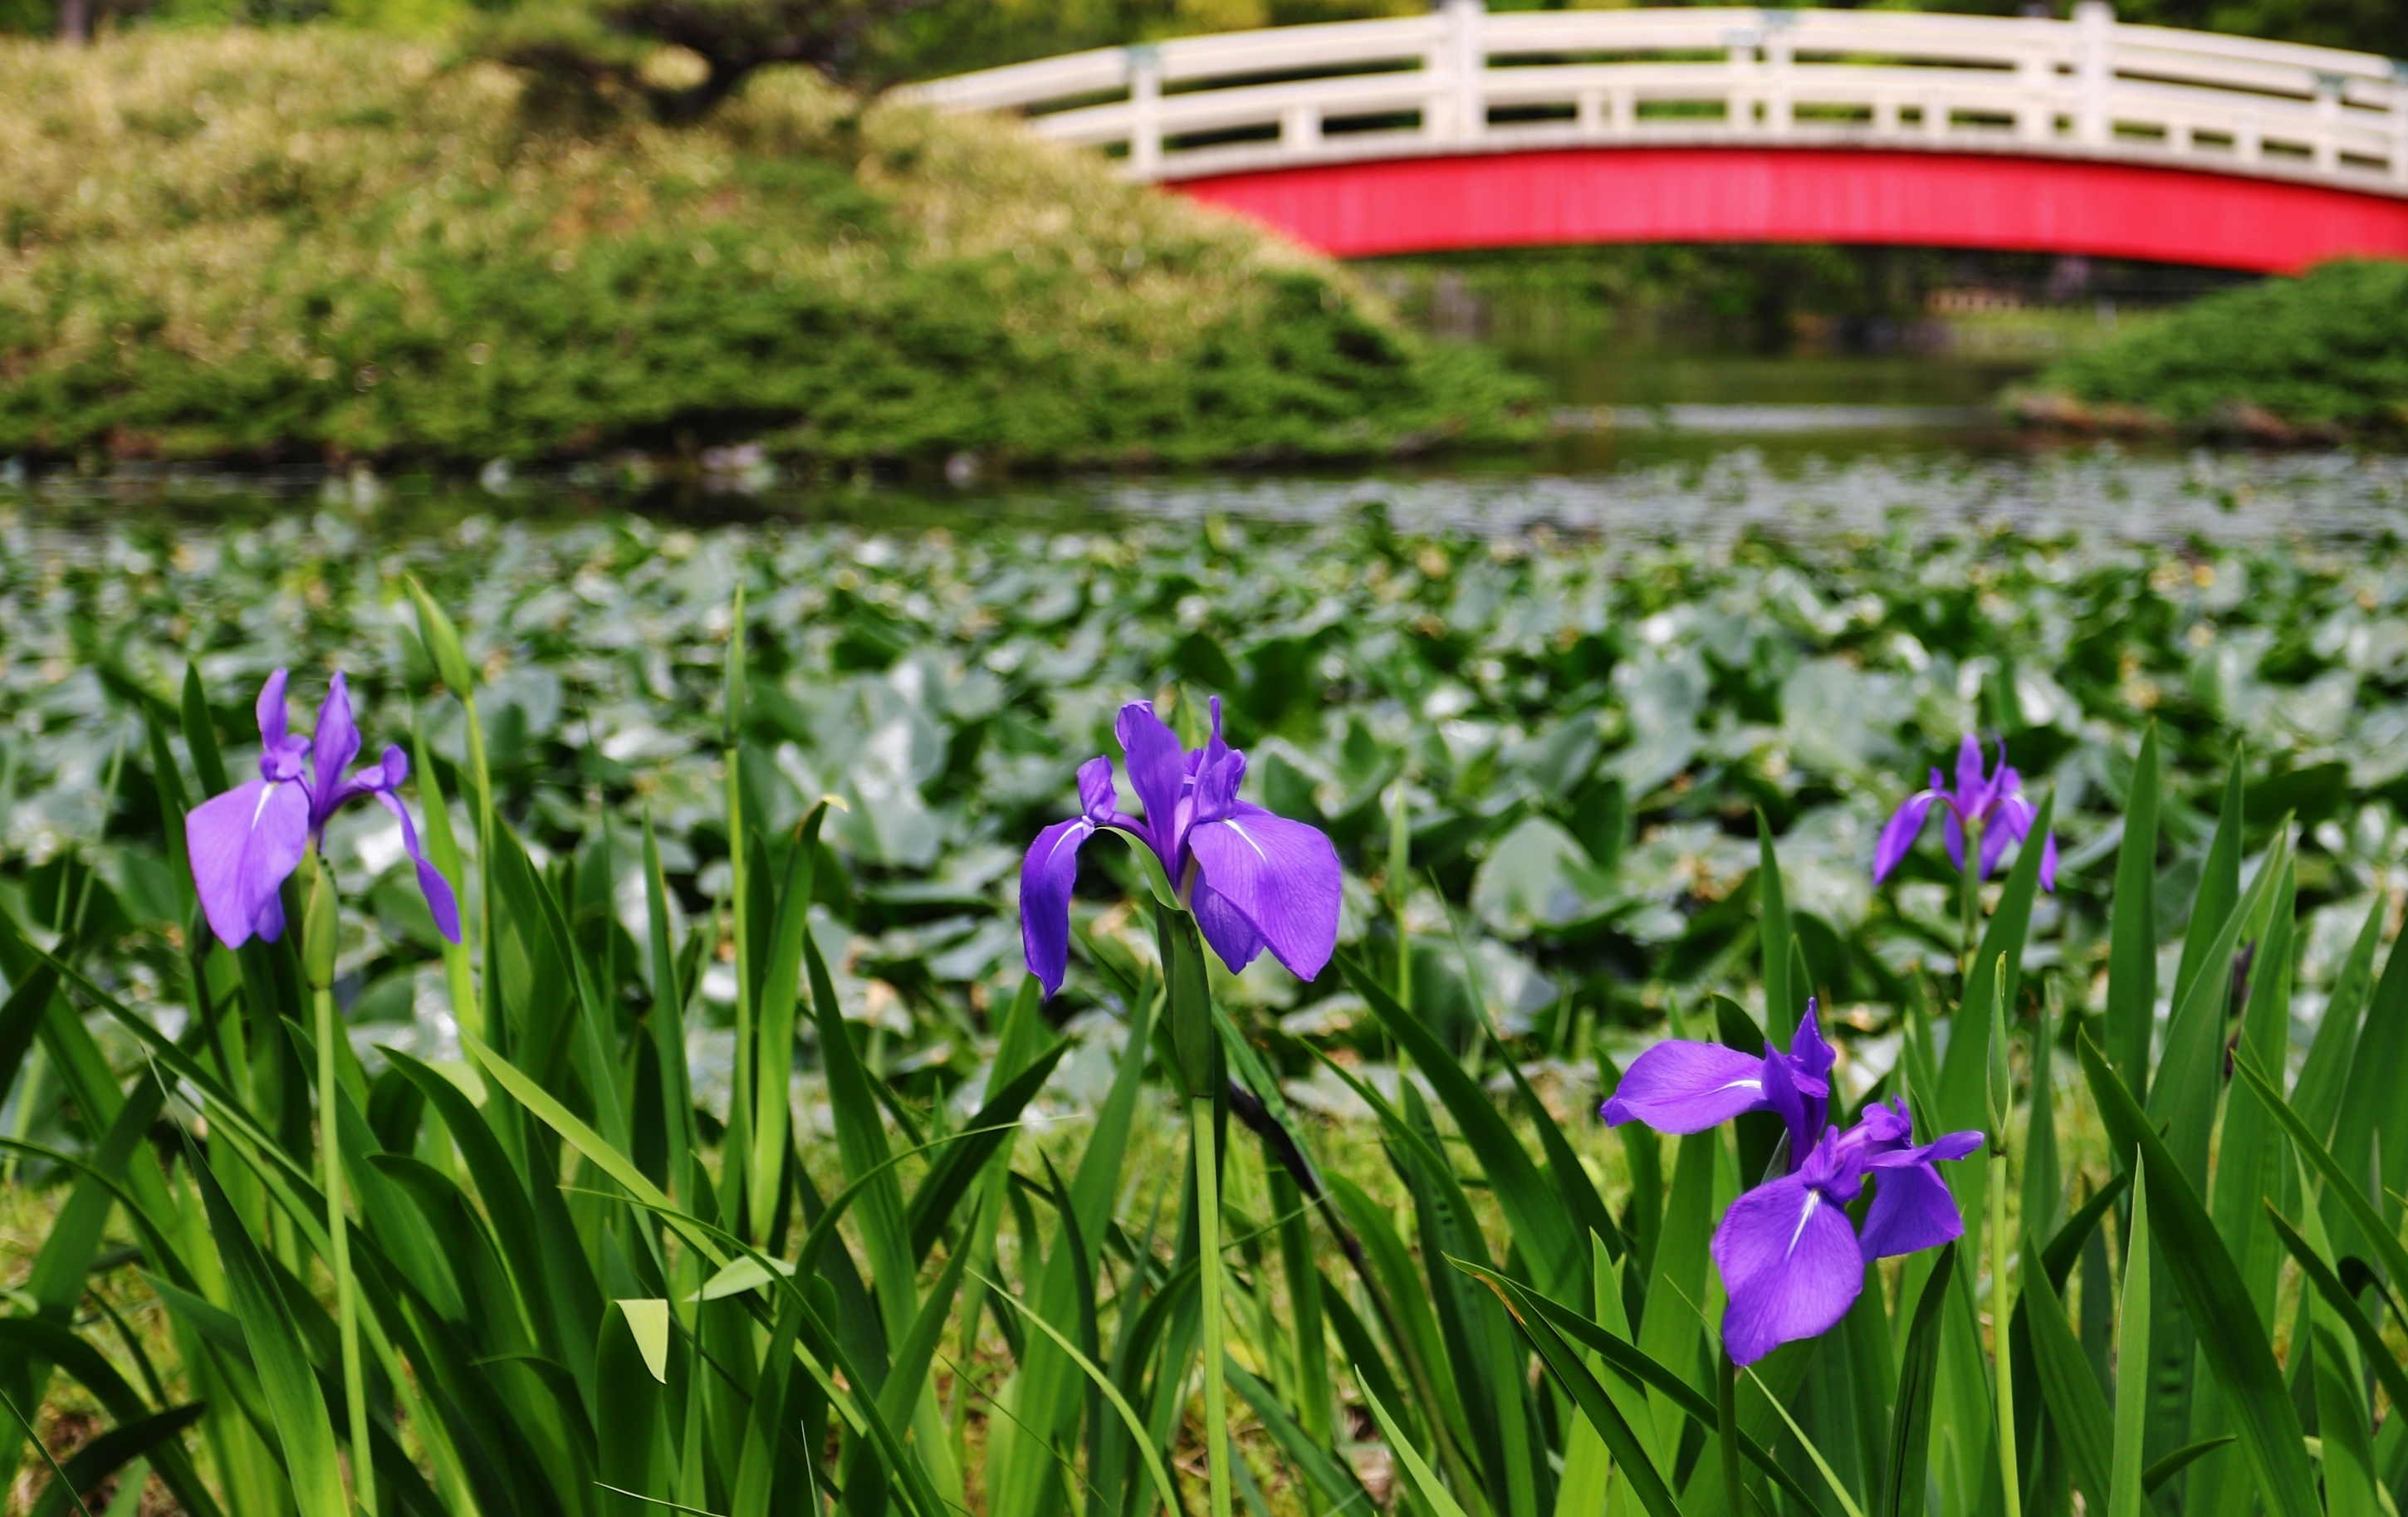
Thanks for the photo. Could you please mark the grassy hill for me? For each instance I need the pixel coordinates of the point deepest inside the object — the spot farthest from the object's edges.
(316, 244)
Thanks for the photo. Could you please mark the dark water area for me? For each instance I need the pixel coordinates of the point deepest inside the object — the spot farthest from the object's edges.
(1840, 429)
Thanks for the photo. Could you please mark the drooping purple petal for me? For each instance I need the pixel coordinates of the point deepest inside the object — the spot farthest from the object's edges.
(332, 744)
(244, 844)
(1789, 1264)
(1225, 927)
(1157, 771)
(440, 903)
(2048, 862)
(1283, 876)
(1682, 1087)
(2009, 819)
(1912, 1210)
(1897, 834)
(1952, 832)
(1046, 877)
(1912, 1207)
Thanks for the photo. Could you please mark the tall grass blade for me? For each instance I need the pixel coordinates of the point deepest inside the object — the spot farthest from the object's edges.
(1962, 1099)
(2331, 1296)
(111, 1452)
(2339, 1184)
(290, 1388)
(1904, 1477)
(1419, 1477)
(2317, 1096)
(1632, 1368)
(1335, 1485)
(2230, 1336)
(2077, 1411)
(2183, 1096)
(2155, 1476)
(780, 990)
(2219, 887)
(1112, 1393)
(1542, 1226)
(2249, 1162)
(2374, 1098)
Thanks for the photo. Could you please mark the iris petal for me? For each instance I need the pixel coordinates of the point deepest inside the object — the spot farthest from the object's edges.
(1157, 771)
(1682, 1087)
(244, 844)
(1096, 795)
(1046, 877)
(1912, 1210)
(1225, 928)
(269, 709)
(1790, 1265)
(1972, 787)
(440, 903)
(2009, 824)
(334, 743)
(1899, 833)
(1283, 876)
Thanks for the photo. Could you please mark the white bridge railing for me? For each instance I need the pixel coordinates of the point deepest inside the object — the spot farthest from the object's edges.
(1462, 80)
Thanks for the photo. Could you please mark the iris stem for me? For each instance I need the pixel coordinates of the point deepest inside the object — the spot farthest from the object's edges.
(1726, 1417)
(2001, 1309)
(347, 1317)
(1208, 1227)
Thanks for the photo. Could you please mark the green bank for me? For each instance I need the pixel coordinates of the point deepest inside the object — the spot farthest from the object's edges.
(316, 245)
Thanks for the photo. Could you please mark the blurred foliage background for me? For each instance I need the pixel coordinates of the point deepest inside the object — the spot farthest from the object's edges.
(1581, 732)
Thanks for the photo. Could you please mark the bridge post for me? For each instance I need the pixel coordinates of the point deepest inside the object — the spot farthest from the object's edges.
(1739, 102)
(1144, 63)
(2398, 122)
(1779, 48)
(2327, 148)
(2094, 71)
(1458, 107)
(2036, 77)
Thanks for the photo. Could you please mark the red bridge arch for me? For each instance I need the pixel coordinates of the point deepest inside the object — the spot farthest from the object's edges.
(1805, 195)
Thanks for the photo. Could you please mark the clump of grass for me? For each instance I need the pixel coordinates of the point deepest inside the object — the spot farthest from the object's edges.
(306, 244)
(2307, 359)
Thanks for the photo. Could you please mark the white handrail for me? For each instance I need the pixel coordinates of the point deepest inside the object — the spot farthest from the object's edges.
(1458, 79)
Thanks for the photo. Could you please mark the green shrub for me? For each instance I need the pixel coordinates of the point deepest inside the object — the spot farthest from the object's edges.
(315, 245)
(2327, 350)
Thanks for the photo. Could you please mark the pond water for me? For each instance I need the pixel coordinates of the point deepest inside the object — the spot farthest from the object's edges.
(1652, 442)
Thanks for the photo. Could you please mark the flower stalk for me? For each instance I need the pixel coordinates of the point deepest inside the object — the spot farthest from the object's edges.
(2001, 1299)
(1196, 1045)
(319, 924)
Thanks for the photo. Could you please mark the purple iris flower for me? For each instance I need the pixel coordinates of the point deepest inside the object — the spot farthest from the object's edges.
(1254, 880)
(245, 843)
(1792, 1262)
(1994, 802)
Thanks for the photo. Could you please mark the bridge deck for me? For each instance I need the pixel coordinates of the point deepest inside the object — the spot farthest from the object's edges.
(1460, 128)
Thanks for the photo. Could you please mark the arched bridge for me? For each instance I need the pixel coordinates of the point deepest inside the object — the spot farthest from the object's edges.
(1464, 128)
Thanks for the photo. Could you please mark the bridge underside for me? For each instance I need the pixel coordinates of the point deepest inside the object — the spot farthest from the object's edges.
(1807, 194)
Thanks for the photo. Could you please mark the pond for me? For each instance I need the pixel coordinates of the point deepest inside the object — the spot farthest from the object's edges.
(1859, 429)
